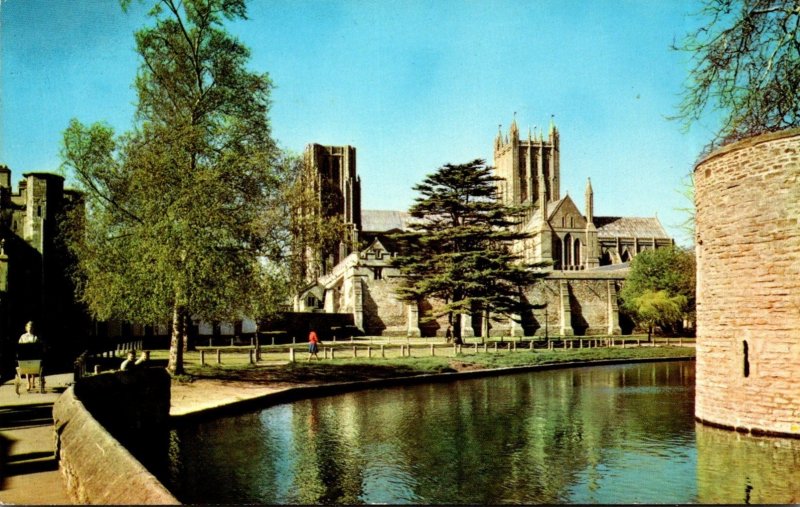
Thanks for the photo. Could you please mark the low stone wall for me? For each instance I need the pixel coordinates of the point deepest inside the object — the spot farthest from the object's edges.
(96, 467)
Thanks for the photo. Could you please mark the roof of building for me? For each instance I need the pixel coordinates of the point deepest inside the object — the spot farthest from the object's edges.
(384, 220)
(629, 227)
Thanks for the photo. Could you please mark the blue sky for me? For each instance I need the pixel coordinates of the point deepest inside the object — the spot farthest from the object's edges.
(411, 84)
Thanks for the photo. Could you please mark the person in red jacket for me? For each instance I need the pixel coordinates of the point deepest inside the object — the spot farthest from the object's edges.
(313, 345)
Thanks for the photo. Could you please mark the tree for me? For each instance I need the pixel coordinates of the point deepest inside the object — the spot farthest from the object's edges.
(745, 65)
(686, 191)
(658, 308)
(659, 281)
(182, 214)
(458, 250)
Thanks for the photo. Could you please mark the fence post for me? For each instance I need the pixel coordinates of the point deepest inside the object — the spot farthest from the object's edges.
(355, 354)
(383, 352)
(219, 356)
(432, 352)
(291, 355)
(369, 352)
(202, 357)
(495, 347)
(332, 351)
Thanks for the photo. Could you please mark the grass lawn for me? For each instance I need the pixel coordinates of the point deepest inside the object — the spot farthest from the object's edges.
(276, 367)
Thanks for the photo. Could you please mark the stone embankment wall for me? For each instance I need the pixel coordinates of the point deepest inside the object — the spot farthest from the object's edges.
(748, 285)
(97, 468)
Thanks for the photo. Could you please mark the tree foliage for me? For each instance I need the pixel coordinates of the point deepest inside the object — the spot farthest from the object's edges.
(458, 250)
(659, 281)
(184, 211)
(686, 191)
(745, 65)
(658, 308)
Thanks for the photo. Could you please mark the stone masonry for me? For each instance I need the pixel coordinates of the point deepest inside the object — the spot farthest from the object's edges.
(748, 285)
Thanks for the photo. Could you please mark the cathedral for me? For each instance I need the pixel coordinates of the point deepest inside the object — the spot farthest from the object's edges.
(589, 254)
(561, 234)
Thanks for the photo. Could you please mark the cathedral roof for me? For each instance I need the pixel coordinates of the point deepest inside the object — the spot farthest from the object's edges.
(629, 227)
(384, 220)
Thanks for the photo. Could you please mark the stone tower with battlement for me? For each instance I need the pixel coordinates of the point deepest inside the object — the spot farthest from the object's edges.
(331, 172)
(529, 166)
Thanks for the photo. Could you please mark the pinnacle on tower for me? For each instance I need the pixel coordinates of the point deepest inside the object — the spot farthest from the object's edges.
(589, 201)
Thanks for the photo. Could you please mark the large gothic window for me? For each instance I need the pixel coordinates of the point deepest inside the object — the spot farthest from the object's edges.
(567, 251)
(557, 261)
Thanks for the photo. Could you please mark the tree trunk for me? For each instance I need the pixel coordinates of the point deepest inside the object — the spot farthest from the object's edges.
(455, 322)
(175, 365)
(485, 326)
(186, 324)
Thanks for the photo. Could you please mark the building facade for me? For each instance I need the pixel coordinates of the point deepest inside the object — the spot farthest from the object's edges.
(34, 263)
(329, 172)
(587, 256)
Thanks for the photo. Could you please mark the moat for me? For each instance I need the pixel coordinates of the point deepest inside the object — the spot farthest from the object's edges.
(611, 434)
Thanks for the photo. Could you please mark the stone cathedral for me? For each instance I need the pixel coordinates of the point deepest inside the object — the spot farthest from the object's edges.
(588, 254)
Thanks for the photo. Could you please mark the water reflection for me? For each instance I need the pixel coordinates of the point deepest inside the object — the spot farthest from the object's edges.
(736, 468)
(620, 434)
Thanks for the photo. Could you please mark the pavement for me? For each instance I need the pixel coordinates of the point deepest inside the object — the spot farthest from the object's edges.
(31, 472)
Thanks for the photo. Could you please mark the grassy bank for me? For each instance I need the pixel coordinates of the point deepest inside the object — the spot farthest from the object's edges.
(344, 369)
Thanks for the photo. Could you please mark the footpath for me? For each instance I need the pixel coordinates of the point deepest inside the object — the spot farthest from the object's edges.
(31, 473)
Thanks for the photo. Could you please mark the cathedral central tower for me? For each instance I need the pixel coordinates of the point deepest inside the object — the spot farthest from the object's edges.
(529, 167)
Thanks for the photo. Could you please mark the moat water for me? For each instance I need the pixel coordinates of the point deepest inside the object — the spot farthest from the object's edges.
(611, 434)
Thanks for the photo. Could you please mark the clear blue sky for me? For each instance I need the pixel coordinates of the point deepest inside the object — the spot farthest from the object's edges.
(411, 84)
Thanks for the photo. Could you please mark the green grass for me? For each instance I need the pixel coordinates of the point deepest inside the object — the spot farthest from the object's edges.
(343, 369)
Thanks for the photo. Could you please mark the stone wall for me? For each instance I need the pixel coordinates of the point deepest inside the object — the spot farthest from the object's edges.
(589, 299)
(97, 468)
(384, 314)
(748, 285)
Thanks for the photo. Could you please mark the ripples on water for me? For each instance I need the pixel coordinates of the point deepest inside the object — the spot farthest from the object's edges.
(617, 434)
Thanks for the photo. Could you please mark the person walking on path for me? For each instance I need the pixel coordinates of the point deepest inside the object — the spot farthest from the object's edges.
(313, 345)
(29, 349)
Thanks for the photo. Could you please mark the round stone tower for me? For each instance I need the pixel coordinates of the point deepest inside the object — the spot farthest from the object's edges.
(747, 196)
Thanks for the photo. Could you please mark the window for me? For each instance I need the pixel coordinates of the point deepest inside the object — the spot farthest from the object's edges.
(378, 273)
(746, 357)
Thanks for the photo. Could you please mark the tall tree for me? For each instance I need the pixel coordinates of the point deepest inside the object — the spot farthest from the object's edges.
(459, 248)
(176, 208)
(745, 65)
(660, 289)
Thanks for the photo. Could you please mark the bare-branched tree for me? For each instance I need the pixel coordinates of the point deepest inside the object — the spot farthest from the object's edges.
(745, 67)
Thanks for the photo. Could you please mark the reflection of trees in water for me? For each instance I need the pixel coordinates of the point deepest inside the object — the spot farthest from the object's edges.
(737, 468)
(519, 439)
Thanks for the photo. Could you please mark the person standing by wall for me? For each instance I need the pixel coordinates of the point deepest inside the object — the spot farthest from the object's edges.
(29, 348)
